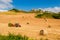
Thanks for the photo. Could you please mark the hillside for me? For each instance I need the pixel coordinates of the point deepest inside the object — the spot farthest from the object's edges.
(32, 29)
(38, 13)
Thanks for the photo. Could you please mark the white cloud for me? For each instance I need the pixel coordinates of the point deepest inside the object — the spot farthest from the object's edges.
(52, 9)
(5, 4)
(3, 10)
(6, 1)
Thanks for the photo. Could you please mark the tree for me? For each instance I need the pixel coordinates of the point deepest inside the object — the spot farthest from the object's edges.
(16, 10)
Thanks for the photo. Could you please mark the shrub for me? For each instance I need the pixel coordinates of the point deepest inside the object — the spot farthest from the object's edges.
(41, 32)
(56, 16)
(10, 24)
(39, 16)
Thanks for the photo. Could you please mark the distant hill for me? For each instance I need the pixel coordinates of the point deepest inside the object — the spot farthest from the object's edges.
(40, 13)
(16, 10)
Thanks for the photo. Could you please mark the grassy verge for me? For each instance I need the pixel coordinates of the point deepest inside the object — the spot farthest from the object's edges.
(13, 37)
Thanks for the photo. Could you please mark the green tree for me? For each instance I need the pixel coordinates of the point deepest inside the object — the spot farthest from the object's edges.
(16, 10)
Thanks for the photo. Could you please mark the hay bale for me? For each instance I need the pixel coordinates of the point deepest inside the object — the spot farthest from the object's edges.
(10, 25)
(41, 32)
(17, 25)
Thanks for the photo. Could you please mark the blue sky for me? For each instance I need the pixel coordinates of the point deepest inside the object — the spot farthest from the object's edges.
(29, 4)
(50, 5)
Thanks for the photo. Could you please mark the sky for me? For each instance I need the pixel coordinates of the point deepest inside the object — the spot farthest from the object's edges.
(48, 5)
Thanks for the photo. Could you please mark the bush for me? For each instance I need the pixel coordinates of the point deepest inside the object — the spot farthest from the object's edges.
(39, 16)
(48, 15)
(56, 16)
(10, 24)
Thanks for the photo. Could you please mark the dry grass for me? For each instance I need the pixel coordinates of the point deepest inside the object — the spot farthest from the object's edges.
(32, 30)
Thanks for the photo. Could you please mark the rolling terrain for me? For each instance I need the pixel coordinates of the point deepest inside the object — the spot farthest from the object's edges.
(32, 29)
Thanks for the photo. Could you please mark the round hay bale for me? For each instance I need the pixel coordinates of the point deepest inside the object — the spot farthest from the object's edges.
(17, 25)
(10, 25)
